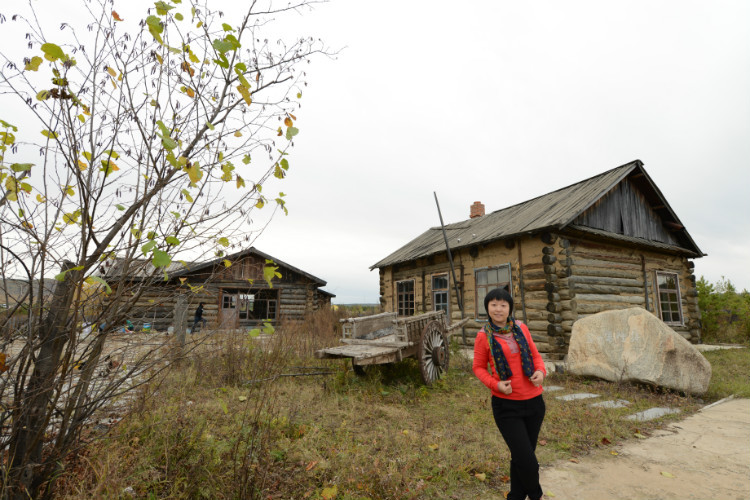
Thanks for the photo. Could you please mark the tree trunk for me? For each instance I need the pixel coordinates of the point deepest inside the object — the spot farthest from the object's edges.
(32, 415)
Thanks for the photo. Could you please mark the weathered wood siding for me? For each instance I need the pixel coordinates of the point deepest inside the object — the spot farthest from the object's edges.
(556, 280)
(297, 295)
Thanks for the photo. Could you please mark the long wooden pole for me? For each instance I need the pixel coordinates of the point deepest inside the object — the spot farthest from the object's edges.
(450, 258)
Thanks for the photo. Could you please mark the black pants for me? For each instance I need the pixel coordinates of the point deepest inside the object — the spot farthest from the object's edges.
(519, 423)
(195, 323)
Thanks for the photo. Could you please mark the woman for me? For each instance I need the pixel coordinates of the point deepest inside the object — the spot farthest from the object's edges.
(508, 363)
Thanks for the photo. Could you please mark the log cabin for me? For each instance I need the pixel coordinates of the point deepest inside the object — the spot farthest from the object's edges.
(609, 242)
(233, 289)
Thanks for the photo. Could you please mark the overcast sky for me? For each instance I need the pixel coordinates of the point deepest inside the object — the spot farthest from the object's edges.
(499, 102)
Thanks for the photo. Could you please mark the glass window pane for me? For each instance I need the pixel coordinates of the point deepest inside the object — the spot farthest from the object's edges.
(503, 274)
(481, 294)
(492, 276)
(482, 277)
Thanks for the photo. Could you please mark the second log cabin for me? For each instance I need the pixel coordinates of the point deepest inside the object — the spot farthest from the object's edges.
(609, 242)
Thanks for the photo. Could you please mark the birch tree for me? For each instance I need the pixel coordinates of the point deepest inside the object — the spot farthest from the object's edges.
(147, 138)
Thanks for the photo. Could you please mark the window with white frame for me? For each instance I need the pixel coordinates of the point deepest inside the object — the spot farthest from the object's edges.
(487, 279)
(668, 294)
(440, 293)
(405, 297)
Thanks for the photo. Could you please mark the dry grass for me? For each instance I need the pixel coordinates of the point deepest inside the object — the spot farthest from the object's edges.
(208, 433)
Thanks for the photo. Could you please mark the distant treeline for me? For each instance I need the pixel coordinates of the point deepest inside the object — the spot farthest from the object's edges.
(725, 312)
(354, 310)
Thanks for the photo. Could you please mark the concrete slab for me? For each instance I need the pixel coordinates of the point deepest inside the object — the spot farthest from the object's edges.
(576, 396)
(620, 403)
(703, 456)
(553, 388)
(651, 414)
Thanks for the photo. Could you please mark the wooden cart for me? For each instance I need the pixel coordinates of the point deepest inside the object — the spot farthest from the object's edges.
(386, 338)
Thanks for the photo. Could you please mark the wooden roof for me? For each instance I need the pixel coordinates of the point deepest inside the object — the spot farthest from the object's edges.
(142, 268)
(553, 212)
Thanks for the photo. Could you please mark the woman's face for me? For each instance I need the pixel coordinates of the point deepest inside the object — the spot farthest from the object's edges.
(498, 311)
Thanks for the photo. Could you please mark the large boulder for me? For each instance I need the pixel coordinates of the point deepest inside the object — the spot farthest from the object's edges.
(634, 345)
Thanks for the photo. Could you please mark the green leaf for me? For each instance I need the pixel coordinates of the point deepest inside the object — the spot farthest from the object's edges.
(162, 8)
(178, 16)
(187, 195)
(21, 167)
(246, 160)
(168, 143)
(96, 279)
(49, 134)
(136, 233)
(43, 95)
(119, 207)
(53, 52)
(8, 125)
(284, 163)
(223, 241)
(171, 240)
(270, 272)
(222, 46)
(148, 247)
(254, 332)
(291, 132)
(161, 259)
(227, 27)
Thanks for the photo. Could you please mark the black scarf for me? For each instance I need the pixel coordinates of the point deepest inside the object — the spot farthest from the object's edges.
(496, 350)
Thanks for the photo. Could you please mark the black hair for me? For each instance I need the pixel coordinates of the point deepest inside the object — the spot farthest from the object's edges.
(498, 294)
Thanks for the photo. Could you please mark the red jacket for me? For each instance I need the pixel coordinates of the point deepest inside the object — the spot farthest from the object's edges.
(520, 383)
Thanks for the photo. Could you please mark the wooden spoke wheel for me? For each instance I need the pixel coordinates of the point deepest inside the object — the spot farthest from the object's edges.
(433, 352)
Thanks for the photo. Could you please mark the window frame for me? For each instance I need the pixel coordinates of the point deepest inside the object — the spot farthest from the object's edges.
(677, 301)
(402, 304)
(479, 304)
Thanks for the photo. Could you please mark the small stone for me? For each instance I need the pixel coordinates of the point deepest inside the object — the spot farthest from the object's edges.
(651, 414)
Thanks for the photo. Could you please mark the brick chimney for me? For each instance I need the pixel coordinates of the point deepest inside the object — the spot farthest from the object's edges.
(477, 210)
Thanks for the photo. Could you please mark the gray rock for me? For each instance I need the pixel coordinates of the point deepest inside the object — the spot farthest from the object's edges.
(634, 345)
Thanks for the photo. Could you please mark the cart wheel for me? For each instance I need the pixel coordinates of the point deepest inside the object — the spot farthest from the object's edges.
(433, 352)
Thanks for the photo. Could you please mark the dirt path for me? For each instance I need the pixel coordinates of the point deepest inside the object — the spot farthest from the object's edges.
(704, 457)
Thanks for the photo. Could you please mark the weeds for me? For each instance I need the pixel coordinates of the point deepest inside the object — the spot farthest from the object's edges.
(222, 426)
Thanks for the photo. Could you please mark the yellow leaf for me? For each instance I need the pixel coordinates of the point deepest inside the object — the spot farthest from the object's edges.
(27, 225)
(242, 398)
(245, 94)
(481, 476)
(433, 447)
(113, 83)
(160, 59)
(33, 64)
(40, 198)
(329, 493)
(111, 72)
(82, 165)
(238, 134)
(613, 452)
(190, 92)
(405, 432)
(288, 122)
(227, 263)
(666, 474)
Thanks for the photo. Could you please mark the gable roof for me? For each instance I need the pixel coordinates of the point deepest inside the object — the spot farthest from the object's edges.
(142, 268)
(551, 212)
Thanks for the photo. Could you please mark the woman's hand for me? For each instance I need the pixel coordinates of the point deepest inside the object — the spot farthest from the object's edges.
(504, 387)
(536, 378)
